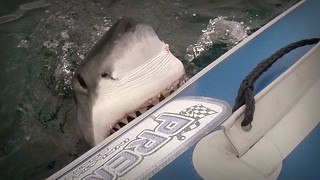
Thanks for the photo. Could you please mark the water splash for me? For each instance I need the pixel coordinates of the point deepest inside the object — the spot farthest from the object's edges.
(23, 44)
(66, 37)
(219, 30)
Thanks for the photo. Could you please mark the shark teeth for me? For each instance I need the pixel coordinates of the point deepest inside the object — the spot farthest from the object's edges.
(149, 104)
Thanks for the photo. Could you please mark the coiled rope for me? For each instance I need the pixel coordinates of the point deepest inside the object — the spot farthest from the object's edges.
(245, 92)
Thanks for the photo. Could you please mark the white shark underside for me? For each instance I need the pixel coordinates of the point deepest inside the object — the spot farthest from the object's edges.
(127, 70)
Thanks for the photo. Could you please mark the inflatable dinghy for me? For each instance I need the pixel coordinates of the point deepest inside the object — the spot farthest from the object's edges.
(195, 133)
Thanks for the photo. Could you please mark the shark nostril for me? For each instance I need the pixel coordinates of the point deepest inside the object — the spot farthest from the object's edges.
(82, 82)
(104, 75)
(107, 75)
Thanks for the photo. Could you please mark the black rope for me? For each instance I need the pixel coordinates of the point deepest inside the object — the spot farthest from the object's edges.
(245, 92)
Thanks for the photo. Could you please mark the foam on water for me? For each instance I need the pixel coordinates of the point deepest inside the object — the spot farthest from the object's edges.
(219, 30)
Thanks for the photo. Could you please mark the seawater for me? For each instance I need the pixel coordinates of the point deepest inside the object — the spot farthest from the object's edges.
(42, 42)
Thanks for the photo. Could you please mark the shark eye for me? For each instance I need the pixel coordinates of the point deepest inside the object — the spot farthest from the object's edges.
(128, 26)
(82, 82)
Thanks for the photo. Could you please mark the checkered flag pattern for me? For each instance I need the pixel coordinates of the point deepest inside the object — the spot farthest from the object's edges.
(197, 111)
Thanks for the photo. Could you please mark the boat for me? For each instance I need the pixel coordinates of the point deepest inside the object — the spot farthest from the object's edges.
(195, 133)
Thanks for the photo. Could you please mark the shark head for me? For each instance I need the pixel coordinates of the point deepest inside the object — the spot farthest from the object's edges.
(126, 72)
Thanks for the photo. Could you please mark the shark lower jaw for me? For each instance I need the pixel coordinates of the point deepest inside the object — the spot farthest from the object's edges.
(147, 105)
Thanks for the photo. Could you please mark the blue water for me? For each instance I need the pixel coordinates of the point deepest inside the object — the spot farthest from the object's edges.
(42, 46)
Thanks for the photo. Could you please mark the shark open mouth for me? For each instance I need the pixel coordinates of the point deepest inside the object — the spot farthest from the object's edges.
(148, 105)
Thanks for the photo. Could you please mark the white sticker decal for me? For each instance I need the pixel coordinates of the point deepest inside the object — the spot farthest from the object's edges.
(153, 142)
